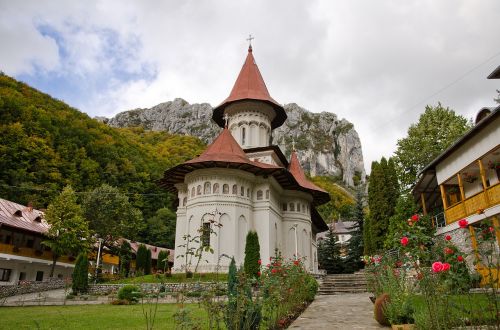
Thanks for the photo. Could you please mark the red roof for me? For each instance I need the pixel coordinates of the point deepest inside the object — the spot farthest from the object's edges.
(250, 86)
(298, 174)
(22, 217)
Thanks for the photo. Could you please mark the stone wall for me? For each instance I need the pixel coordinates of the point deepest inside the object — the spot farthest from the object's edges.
(31, 287)
(105, 289)
(461, 239)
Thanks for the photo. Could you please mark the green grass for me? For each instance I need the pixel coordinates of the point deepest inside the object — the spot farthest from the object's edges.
(176, 278)
(88, 317)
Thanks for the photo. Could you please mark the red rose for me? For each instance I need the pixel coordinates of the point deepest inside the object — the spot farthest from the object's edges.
(399, 263)
(437, 267)
(446, 266)
(448, 251)
(415, 218)
(268, 265)
(491, 229)
(260, 262)
(404, 241)
(448, 238)
(296, 262)
(463, 223)
(258, 274)
(460, 258)
(274, 270)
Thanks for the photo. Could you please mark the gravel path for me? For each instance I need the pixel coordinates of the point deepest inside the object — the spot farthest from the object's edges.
(346, 311)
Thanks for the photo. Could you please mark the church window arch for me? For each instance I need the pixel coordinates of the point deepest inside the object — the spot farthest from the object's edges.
(225, 188)
(198, 190)
(285, 208)
(205, 234)
(184, 201)
(298, 207)
(267, 194)
(207, 188)
(235, 189)
(243, 135)
(303, 208)
(259, 195)
(292, 207)
(216, 188)
(248, 192)
(192, 192)
(242, 191)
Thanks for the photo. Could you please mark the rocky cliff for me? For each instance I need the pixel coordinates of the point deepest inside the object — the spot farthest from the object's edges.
(326, 145)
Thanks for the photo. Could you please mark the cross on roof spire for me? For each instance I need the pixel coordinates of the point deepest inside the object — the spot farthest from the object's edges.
(226, 119)
(249, 39)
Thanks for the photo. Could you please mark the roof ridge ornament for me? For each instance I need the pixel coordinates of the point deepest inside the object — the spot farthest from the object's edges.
(249, 39)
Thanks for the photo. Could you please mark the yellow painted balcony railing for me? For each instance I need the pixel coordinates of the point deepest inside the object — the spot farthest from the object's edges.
(110, 259)
(489, 276)
(471, 205)
(31, 253)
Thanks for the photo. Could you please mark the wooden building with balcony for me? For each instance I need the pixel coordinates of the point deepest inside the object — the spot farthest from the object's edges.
(22, 255)
(464, 183)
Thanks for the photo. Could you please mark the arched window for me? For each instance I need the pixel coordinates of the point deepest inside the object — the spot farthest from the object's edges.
(216, 188)
(292, 207)
(242, 191)
(205, 234)
(235, 189)
(259, 195)
(192, 192)
(285, 207)
(267, 194)
(243, 135)
(248, 192)
(298, 207)
(198, 190)
(184, 201)
(207, 188)
(225, 188)
(303, 208)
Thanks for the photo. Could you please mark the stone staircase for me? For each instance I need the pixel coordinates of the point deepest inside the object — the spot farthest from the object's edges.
(343, 283)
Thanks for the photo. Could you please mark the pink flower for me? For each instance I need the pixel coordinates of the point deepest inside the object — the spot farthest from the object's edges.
(491, 229)
(460, 258)
(437, 267)
(463, 223)
(448, 251)
(446, 266)
(404, 241)
(447, 237)
(415, 218)
(260, 262)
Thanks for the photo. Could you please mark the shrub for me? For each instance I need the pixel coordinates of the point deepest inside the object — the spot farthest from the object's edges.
(80, 275)
(120, 302)
(163, 261)
(131, 293)
(252, 255)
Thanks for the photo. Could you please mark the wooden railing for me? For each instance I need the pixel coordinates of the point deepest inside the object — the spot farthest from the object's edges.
(32, 253)
(110, 259)
(472, 204)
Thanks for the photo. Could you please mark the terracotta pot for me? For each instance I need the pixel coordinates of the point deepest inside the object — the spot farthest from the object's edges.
(378, 309)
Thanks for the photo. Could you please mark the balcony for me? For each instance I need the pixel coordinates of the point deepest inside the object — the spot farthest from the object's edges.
(480, 201)
(32, 253)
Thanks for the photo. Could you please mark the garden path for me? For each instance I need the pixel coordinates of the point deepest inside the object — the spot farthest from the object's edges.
(345, 311)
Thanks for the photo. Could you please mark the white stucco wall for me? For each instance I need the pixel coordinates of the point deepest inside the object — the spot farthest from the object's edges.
(30, 267)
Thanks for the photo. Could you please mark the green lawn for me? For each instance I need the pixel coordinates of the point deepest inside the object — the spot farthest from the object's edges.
(176, 278)
(88, 317)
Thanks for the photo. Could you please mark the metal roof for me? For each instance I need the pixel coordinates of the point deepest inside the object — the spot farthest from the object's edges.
(22, 217)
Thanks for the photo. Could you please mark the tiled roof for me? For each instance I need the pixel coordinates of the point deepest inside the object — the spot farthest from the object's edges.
(22, 217)
(250, 86)
(298, 174)
(155, 250)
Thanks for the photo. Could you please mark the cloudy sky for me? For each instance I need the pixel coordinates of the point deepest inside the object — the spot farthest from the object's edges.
(375, 63)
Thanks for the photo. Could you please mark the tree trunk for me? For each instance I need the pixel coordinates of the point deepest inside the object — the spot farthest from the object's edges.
(54, 260)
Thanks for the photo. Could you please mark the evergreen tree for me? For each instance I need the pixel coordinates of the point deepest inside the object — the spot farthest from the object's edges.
(368, 248)
(252, 254)
(147, 267)
(355, 246)
(81, 274)
(141, 258)
(383, 192)
(68, 232)
(329, 254)
(125, 254)
(163, 260)
(232, 295)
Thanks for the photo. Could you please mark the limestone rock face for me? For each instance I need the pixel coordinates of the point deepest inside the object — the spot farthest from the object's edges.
(326, 145)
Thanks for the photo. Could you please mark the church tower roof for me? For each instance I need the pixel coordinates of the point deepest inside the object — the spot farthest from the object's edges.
(250, 86)
(298, 173)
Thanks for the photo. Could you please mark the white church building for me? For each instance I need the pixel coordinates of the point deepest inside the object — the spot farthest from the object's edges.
(241, 183)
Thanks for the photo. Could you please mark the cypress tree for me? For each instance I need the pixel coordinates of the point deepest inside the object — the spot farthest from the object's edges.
(252, 254)
(80, 274)
(142, 255)
(147, 266)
